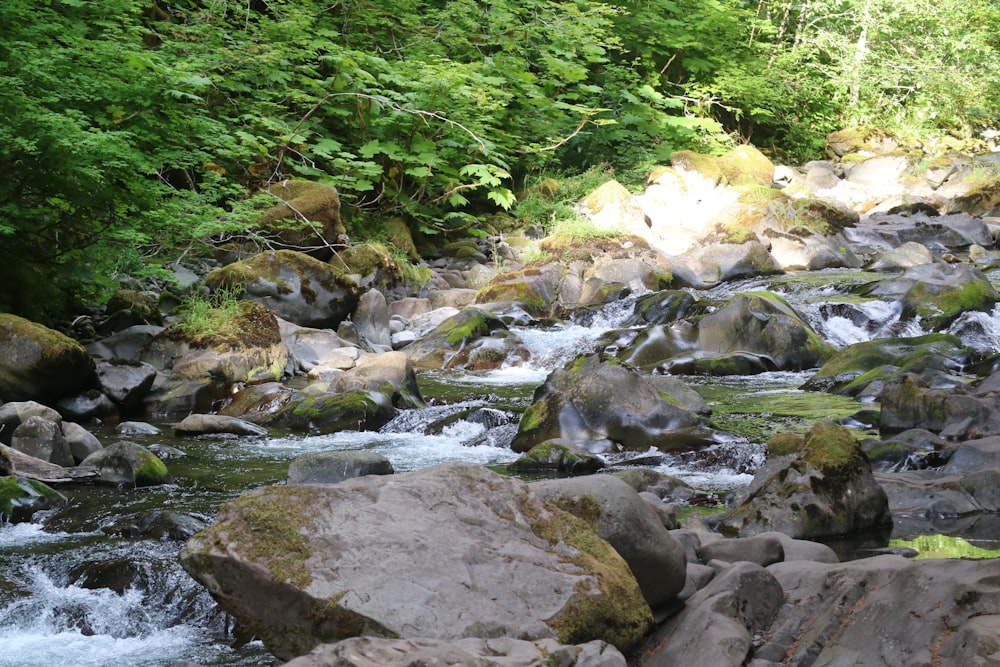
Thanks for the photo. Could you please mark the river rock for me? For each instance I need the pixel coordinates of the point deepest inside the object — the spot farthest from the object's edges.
(89, 404)
(40, 364)
(334, 467)
(125, 381)
(908, 255)
(82, 443)
(889, 611)
(136, 428)
(951, 411)
(311, 348)
(43, 439)
(473, 339)
(720, 623)
(559, 456)
(852, 369)
(371, 319)
(446, 552)
(937, 293)
(259, 403)
(629, 524)
(470, 652)
(15, 413)
(215, 424)
(124, 344)
(602, 405)
(812, 487)
(763, 324)
(305, 216)
(20, 498)
(295, 286)
(533, 288)
(126, 463)
(721, 262)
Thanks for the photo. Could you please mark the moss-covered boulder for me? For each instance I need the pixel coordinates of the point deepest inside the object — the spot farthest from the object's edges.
(372, 262)
(128, 308)
(851, 370)
(720, 262)
(472, 339)
(40, 364)
(605, 406)
(244, 345)
(125, 463)
(304, 216)
(937, 293)
(20, 498)
(815, 486)
(327, 412)
(865, 139)
(533, 288)
(745, 164)
(297, 287)
(449, 551)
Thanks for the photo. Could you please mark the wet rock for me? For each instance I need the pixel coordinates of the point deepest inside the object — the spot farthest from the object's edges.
(317, 348)
(605, 406)
(20, 498)
(126, 463)
(720, 622)
(337, 561)
(40, 364)
(762, 323)
(371, 318)
(496, 652)
(259, 403)
(558, 456)
(158, 525)
(90, 404)
(908, 255)
(136, 428)
(124, 344)
(82, 443)
(937, 293)
(455, 343)
(216, 424)
(851, 370)
(721, 262)
(329, 412)
(335, 467)
(817, 486)
(13, 414)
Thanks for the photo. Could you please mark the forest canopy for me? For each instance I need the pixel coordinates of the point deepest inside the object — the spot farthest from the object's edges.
(139, 128)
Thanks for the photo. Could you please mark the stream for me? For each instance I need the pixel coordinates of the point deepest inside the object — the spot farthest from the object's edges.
(72, 591)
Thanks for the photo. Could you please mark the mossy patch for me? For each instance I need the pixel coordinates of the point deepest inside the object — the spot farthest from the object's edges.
(829, 446)
(237, 326)
(277, 523)
(271, 270)
(21, 497)
(470, 323)
(513, 291)
(706, 165)
(943, 305)
(616, 612)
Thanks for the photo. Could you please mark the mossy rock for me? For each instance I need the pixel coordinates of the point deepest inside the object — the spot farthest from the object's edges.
(297, 287)
(823, 217)
(306, 217)
(127, 463)
(746, 165)
(850, 370)
(252, 325)
(20, 498)
(355, 410)
(559, 456)
(41, 364)
(706, 165)
(372, 261)
(126, 308)
(829, 447)
(860, 139)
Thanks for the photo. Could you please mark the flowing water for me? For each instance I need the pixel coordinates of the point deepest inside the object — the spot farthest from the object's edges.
(74, 591)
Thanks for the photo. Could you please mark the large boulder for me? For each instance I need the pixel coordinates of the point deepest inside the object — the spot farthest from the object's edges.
(43, 439)
(907, 402)
(469, 652)
(819, 485)
(606, 406)
(762, 323)
(297, 287)
(125, 381)
(40, 364)
(305, 216)
(446, 552)
(630, 524)
(720, 262)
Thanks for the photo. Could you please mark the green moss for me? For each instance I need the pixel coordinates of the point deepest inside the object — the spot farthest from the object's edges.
(533, 418)
(149, 469)
(515, 291)
(619, 613)
(705, 165)
(269, 267)
(226, 324)
(18, 492)
(277, 523)
(470, 323)
(782, 444)
(830, 446)
(942, 306)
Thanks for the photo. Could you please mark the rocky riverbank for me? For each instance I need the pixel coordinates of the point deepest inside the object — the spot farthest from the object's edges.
(353, 566)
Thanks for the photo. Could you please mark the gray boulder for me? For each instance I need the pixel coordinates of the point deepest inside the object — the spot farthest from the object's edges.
(820, 485)
(216, 424)
(40, 364)
(334, 467)
(721, 262)
(603, 405)
(447, 552)
(126, 463)
(13, 414)
(630, 524)
(371, 319)
(43, 439)
(125, 381)
(82, 443)
(498, 652)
